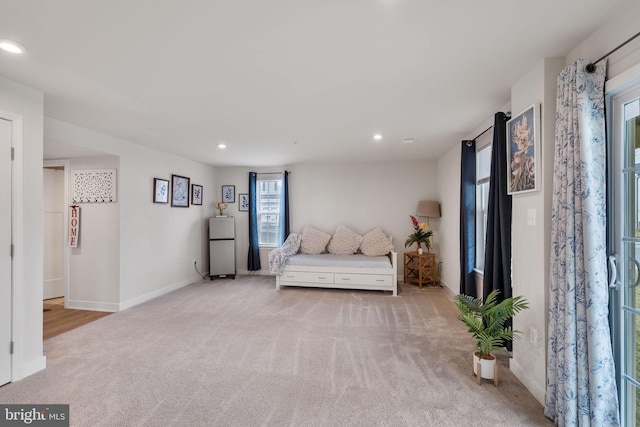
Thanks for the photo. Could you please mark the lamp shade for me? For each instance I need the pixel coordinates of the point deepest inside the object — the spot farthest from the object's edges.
(428, 208)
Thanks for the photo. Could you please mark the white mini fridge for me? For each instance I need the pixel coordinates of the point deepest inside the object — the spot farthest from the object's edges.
(222, 247)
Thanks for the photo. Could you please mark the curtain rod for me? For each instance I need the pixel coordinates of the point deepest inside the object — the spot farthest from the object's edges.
(483, 132)
(507, 115)
(590, 68)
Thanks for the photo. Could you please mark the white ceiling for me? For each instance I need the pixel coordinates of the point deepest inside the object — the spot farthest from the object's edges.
(286, 81)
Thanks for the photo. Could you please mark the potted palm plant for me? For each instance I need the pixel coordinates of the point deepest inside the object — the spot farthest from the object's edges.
(486, 322)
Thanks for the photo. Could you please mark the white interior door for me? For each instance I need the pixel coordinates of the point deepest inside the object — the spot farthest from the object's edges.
(53, 271)
(5, 251)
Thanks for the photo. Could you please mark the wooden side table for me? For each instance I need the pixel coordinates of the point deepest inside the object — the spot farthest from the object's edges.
(420, 268)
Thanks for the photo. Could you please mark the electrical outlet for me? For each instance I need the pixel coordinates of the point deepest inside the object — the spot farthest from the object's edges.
(193, 260)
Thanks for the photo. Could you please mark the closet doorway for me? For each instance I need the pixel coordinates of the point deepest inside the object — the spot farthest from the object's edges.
(56, 260)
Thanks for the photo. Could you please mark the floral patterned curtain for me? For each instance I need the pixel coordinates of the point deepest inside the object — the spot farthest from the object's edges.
(581, 385)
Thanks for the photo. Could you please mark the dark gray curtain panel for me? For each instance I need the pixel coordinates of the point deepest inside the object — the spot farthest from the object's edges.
(467, 218)
(283, 230)
(497, 254)
(253, 263)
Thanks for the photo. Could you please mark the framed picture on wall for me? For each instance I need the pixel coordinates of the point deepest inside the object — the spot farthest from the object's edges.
(523, 151)
(196, 194)
(179, 191)
(160, 190)
(229, 193)
(243, 202)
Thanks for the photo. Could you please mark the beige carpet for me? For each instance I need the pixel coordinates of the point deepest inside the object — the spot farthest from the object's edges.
(240, 353)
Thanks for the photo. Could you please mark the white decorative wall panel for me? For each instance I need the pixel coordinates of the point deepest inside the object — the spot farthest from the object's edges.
(94, 186)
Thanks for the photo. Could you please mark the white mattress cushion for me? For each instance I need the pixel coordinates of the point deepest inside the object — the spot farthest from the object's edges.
(313, 241)
(344, 241)
(339, 261)
(376, 243)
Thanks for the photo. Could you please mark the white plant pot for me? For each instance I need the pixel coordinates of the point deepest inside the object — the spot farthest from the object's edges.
(487, 366)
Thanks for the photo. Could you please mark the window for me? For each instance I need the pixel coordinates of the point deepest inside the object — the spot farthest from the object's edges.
(483, 172)
(268, 188)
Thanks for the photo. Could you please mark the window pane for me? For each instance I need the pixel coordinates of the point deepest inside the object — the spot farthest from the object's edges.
(268, 207)
(632, 403)
(483, 169)
(483, 172)
(482, 203)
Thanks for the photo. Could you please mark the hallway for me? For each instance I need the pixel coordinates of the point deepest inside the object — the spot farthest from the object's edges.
(58, 320)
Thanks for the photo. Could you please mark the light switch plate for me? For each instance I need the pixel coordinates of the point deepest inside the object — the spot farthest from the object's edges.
(531, 217)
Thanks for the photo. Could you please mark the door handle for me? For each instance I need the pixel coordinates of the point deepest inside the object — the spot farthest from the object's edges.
(637, 268)
(613, 268)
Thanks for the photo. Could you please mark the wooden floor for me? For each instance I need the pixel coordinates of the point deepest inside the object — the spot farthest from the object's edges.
(58, 320)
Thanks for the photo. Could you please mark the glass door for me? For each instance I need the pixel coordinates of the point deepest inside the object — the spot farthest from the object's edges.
(625, 243)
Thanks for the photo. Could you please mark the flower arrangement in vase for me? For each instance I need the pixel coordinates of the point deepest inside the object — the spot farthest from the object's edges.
(421, 235)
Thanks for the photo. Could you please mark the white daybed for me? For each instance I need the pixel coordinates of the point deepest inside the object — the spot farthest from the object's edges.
(355, 271)
(345, 260)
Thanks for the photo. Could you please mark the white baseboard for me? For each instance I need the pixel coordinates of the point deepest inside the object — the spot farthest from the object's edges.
(158, 292)
(261, 272)
(450, 289)
(31, 367)
(537, 390)
(110, 307)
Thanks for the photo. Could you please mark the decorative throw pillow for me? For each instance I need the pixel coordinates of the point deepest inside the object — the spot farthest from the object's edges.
(344, 241)
(313, 241)
(376, 243)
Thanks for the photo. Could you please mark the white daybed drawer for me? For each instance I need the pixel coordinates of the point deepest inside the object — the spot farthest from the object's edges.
(306, 277)
(364, 279)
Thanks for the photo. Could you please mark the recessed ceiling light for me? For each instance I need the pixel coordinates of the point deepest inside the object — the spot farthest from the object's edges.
(222, 146)
(11, 47)
(377, 137)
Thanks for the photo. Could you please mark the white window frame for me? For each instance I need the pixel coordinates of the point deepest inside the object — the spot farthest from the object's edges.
(268, 214)
(484, 147)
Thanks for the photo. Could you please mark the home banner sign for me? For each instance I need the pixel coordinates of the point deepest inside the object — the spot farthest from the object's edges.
(34, 415)
(74, 225)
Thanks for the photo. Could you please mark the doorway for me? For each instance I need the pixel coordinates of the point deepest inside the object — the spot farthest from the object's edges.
(6, 251)
(54, 225)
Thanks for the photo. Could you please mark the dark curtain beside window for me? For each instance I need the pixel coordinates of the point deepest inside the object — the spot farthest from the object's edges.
(497, 254)
(467, 219)
(253, 263)
(283, 227)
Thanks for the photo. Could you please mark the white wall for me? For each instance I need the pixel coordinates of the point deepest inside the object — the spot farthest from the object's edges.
(620, 26)
(26, 106)
(157, 241)
(448, 168)
(360, 196)
(531, 242)
(94, 265)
